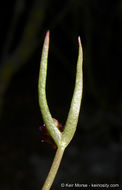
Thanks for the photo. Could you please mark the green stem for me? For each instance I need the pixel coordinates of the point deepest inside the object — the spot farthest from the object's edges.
(54, 168)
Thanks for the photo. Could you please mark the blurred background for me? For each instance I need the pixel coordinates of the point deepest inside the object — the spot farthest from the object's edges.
(95, 153)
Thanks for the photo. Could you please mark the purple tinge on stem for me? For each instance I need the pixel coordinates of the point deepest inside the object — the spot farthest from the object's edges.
(46, 136)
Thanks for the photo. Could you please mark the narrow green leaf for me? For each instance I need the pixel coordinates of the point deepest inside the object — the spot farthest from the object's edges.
(51, 127)
(73, 114)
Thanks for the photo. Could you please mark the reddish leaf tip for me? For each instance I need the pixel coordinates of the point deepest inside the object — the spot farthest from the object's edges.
(79, 41)
(46, 40)
(47, 34)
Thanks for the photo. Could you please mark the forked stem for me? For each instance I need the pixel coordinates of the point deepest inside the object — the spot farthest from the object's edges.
(54, 168)
(62, 139)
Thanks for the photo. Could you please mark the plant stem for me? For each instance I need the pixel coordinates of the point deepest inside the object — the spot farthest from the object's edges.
(54, 168)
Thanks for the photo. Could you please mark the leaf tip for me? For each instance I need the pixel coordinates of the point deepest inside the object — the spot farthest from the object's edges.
(47, 34)
(46, 41)
(79, 41)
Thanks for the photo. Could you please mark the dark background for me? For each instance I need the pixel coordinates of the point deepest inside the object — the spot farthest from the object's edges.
(95, 153)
